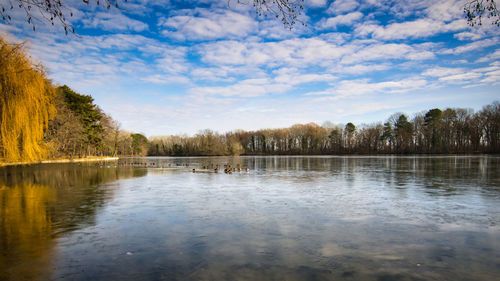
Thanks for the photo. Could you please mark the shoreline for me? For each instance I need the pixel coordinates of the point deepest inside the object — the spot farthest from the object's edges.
(106, 159)
(74, 160)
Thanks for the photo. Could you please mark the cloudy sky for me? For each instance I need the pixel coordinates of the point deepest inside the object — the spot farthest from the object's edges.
(170, 67)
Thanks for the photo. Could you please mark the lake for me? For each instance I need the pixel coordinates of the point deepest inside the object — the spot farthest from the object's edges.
(287, 218)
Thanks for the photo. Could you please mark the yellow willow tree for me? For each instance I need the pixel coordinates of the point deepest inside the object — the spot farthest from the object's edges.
(26, 105)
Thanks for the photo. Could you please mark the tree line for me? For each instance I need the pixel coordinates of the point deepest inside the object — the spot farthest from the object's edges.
(39, 120)
(82, 129)
(453, 130)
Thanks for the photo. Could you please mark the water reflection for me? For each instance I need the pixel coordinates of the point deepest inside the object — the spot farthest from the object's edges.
(289, 218)
(296, 218)
(39, 203)
(25, 231)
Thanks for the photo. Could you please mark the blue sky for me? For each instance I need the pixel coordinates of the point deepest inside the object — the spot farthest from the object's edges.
(172, 67)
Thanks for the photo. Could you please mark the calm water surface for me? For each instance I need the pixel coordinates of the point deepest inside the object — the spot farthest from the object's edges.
(288, 218)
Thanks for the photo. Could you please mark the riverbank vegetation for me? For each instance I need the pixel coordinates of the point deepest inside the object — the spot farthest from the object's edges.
(39, 120)
(25, 105)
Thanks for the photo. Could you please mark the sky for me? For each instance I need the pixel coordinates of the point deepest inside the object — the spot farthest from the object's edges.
(177, 67)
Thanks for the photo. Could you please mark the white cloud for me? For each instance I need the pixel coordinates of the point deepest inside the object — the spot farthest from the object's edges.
(358, 69)
(349, 88)
(114, 22)
(108, 61)
(207, 25)
(173, 61)
(491, 73)
(316, 3)
(342, 6)
(143, 7)
(273, 29)
(466, 35)
(490, 57)
(294, 52)
(471, 77)
(445, 10)
(233, 53)
(419, 28)
(214, 74)
(492, 77)
(245, 88)
(166, 79)
(472, 46)
(122, 42)
(492, 67)
(341, 20)
(292, 76)
(6, 31)
(337, 38)
(302, 52)
(386, 52)
(461, 78)
(226, 73)
(442, 71)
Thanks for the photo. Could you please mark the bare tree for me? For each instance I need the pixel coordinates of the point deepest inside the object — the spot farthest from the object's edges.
(476, 10)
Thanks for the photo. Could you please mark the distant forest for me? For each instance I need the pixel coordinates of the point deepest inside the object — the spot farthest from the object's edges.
(449, 131)
(39, 120)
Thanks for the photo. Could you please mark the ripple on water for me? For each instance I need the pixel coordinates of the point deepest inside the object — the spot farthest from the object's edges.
(292, 218)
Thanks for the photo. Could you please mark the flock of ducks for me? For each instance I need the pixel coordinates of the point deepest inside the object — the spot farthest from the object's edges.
(228, 168)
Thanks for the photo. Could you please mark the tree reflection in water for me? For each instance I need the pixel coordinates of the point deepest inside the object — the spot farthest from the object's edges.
(39, 202)
(293, 218)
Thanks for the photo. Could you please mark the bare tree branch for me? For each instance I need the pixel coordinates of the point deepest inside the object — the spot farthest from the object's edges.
(287, 11)
(476, 10)
(52, 11)
(56, 12)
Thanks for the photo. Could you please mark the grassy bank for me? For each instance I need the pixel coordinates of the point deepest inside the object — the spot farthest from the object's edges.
(74, 160)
